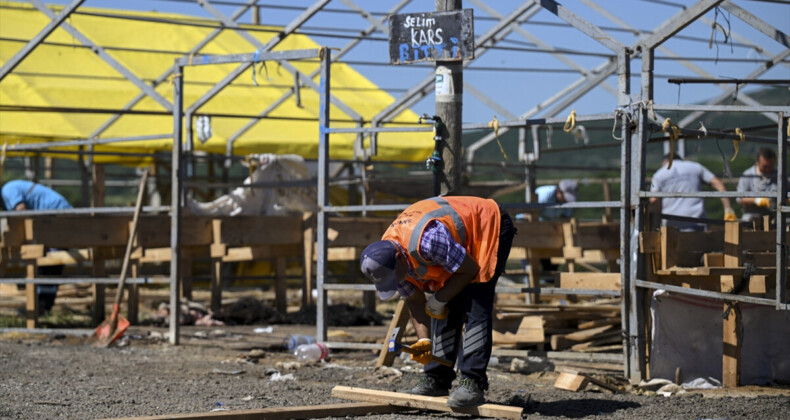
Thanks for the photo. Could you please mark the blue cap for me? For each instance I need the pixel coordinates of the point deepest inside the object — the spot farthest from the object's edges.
(378, 265)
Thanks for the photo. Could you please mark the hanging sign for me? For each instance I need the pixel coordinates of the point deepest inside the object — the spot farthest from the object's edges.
(436, 36)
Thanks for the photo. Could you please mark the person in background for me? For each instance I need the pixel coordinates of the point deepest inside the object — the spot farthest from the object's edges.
(454, 249)
(27, 195)
(686, 176)
(564, 192)
(760, 177)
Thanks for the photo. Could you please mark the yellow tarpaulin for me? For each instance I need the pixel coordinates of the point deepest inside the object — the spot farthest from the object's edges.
(63, 73)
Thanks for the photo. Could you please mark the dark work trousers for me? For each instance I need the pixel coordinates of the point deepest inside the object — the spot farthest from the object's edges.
(48, 292)
(473, 309)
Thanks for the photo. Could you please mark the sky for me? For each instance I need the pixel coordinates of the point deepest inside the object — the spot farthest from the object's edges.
(514, 75)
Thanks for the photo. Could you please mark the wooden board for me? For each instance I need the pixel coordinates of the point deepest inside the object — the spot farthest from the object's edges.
(357, 231)
(589, 334)
(285, 413)
(596, 281)
(570, 382)
(153, 231)
(425, 403)
(597, 235)
(538, 235)
(258, 230)
(79, 231)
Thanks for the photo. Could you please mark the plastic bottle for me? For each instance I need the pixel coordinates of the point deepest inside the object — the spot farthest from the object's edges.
(314, 352)
(293, 341)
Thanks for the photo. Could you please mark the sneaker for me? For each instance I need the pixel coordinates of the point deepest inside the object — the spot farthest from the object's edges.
(468, 394)
(427, 386)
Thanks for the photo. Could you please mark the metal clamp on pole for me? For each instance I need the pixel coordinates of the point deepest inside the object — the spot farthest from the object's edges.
(435, 163)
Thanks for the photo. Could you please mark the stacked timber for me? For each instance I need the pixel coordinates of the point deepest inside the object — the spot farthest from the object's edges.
(584, 327)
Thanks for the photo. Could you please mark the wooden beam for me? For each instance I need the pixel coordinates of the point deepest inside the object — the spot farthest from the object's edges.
(541, 235)
(598, 281)
(732, 245)
(280, 285)
(731, 355)
(285, 413)
(596, 235)
(425, 403)
(308, 234)
(650, 242)
(357, 231)
(399, 320)
(31, 297)
(590, 333)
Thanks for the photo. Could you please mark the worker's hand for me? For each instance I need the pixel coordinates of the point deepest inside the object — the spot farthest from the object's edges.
(436, 308)
(762, 202)
(424, 347)
(729, 215)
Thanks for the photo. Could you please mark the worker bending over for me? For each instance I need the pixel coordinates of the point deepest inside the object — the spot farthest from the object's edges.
(454, 249)
(27, 195)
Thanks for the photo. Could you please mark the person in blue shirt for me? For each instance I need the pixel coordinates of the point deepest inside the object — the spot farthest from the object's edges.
(26, 195)
(564, 192)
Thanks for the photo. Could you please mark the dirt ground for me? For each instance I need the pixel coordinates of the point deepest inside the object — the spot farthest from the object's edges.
(60, 377)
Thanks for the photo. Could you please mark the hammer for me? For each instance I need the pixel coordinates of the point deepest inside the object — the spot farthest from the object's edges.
(393, 346)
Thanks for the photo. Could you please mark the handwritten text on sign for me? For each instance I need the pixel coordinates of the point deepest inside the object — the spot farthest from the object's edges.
(439, 36)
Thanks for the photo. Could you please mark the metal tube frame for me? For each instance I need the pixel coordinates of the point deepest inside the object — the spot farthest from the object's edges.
(178, 183)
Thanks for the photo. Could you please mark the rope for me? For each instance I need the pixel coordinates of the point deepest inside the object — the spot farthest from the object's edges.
(570, 122)
(252, 165)
(495, 125)
(652, 110)
(614, 125)
(674, 133)
(742, 137)
(703, 129)
(174, 77)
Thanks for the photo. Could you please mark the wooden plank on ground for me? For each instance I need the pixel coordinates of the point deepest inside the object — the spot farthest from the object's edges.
(422, 402)
(285, 413)
(570, 382)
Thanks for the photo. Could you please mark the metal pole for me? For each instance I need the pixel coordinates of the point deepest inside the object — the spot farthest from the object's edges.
(11, 64)
(781, 217)
(323, 195)
(175, 206)
(629, 226)
(449, 107)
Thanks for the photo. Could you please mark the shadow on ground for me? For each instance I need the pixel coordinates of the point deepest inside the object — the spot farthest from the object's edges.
(571, 408)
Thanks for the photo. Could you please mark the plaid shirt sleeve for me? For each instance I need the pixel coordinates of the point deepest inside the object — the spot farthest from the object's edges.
(438, 246)
(406, 289)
